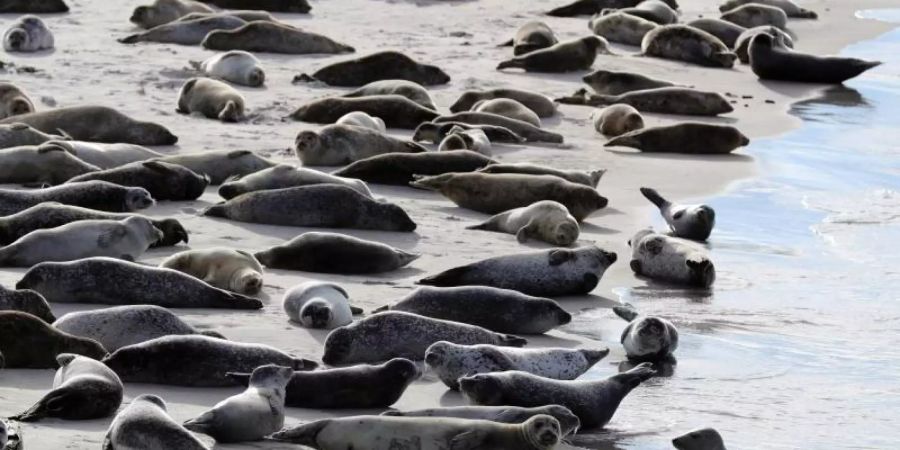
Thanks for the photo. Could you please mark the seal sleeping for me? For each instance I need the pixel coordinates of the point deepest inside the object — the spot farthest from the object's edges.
(388, 65)
(694, 222)
(27, 342)
(165, 11)
(590, 179)
(335, 253)
(401, 168)
(772, 61)
(26, 301)
(526, 130)
(690, 138)
(162, 180)
(669, 259)
(540, 104)
(688, 44)
(653, 10)
(187, 32)
(396, 111)
(29, 34)
(646, 338)
(617, 119)
(285, 6)
(666, 100)
(271, 37)
(232, 270)
(317, 304)
(545, 220)
(608, 82)
(99, 195)
(591, 7)
(220, 166)
(789, 7)
(409, 89)
(568, 56)
(337, 145)
(757, 15)
(96, 124)
(20, 134)
(531, 36)
(503, 414)
(212, 99)
(361, 119)
(105, 156)
(145, 424)
(436, 132)
(235, 66)
(14, 101)
(34, 165)
(508, 107)
(285, 176)
(621, 27)
(727, 32)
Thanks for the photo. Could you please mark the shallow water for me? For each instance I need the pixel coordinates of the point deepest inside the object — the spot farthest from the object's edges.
(798, 344)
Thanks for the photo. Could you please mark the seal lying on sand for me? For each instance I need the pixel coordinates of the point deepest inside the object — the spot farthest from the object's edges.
(395, 110)
(378, 66)
(162, 180)
(28, 34)
(589, 178)
(789, 7)
(187, 32)
(542, 105)
(286, 6)
(409, 89)
(33, 6)
(32, 165)
(26, 301)
(96, 124)
(165, 11)
(285, 176)
(264, 36)
(335, 253)
(531, 36)
(690, 138)
(225, 268)
(545, 220)
(99, 195)
(688, 44)
(526, 130)
(146, 424)
(401, 168)
(337, 145)
(317, 304)
(20, 134)
(772, 61)
(568, 56)
(608, 82)
(503, 414)
(220, 166)
(27, 342)
(14, 101)
(666, 100)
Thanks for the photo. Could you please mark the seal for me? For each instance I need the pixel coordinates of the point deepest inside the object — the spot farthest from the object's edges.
(211, 98)
(473, 139)
(146, 424)
(96, 124)
(53, 214)
(337, 145)
(687, 137)
(195, 361)
(545, 220)
(591, 7)
(105, 156)
(742, 44)
(33, 6)
(540, 104)
(220, 166)
(491, 193)
(321, 205)
(395, 110)
(127, 239)
(247, 15)
(14, 101)
(757, 15)
(400, 168)
(503, 414)
(83, 389)
(388, 65)
(358, 387)
(250, 415)
(165, 11)
(789, 7)
(324, 252)
(526, 130)
(772, 61)
(594, 402)
(285, 176)
(409, 89)
(674, 260)
(621, 27)
(508, 108)
(500, 310)
(667, 100)
(187, 32)
(531, 36)
(393, 334)
(27, 342)
(703, 439)
(121, 326)
(567, 56)
(653, 10)
(617, 119)
(589, 179)
(688, 44)
(646, 338)
(373, 432)
(285, 6)
(164, 181)
(236, 66)
(607, 82)
(36, 166)
(20, 134)
(542, 273)
(271, 37)
(89, 194)
(436, 132)
(109, 281)
(224, 268)
(694, 222)
(29, 34)
(451, 361)
(726, 31)
(361, 119)
(317, 304)
(26, 301)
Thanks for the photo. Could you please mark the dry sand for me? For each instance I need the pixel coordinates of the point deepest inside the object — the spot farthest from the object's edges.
(90, 67)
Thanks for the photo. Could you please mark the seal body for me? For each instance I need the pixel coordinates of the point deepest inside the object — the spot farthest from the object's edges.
(568, 421)
(608, 82)
(688, 44)
(105, 156)
(395, 110)
(665, 100)
(29, 34)
(435, 132)
(618, 119)
(789, 7)
(27, 342)
(409, 89)
(742, 44)
(271, 37)
(317, 304)
(146, 424)
(653, 10)
(757, 15)
(220, 166)
(532, 36)
(388, 65)
(703, 439)
(211, 98)
(361, 119)
(187, 32)
(26, 301)
(526, 130)
(99, 195)
(691, 138)
(589, 179)
(461, 139)
(336, 145)
(224, 268)
(669, 259)
(546, 220)
(165, 11)
(540, 104)
(44, 164)
(694, 222)
(647, 338)
(770, 60)
(400, 168)
(20, 134)
(726, 31)
(591, 7)
(335, 253)
(236, 66)
(14, 101)
(621, 27)
(164, 181)
(287, 6)
(285, 176)
(508, 107)
(96, 124)
(568, 56)
(34, 6)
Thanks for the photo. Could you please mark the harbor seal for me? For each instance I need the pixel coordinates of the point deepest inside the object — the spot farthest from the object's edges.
(703, 439)
(146, 424)
(165, 11)
(105, 156)
(409, 89)
(99, 195)
(542, 273)
(224, 268)
(531, 36)
(789, 7)
(39, 165)
(646, 338)
(688, 44)
(393, 334)
(324, 252)
(742, 44)
(285, 176)
(395, 110)
(591, 7)
(621, 27)
(250, 415)
(285, 6)
(525, 130)
(436, 132)
(109, 281)
(164, 181)
(271, 37)
(687, 137)
(317, 304)
(29, 34)
(542, 105)
(20, 134)
(669, 259)
(567, 56)
(388, 65)
(617, 119)
(653, 10)
(320, 205)
(756, 15)
(187, 32)
(211, 98)
(337, 145)
(27, 342)
(451, 361)
(121, 326)
(358, 387)
(235, 66)
(247, 15)
(361, 119)
(694, 222)
(594, 402)
(545, 220)
(26, 301)
(473, 139)
(589, 179)
(772, 61)
(83, 389)
(726, 31)
(220, 166)
(195, 361)
(503, 414)
(14, 101)
(508, 107)
(491, 193)
(33, 6)
(500, 310)
(96, 124)
(665, 100)
(608, 82)
(400, 168)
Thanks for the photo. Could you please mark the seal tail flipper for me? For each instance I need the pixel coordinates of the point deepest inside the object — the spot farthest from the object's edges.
(414, 148)
(509, 340)
(213, 334)
(430, 183)
(238, 301)
(508, 43)
(133, 39)
(594, 356)
(625, 140)
(626, 312)
(202, 424)
(654, 197)
(451, 277)
(806, 14)
(356, 310)
(242, 379)
(381, 309)
(304, 78)
(510, 63)
(217, 210)
(596, 175)
(302, 434)
(485, 226)
(406, 257)
(45, 407)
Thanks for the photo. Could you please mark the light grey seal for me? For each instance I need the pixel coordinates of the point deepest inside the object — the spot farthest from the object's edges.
(251, 415)
(621, 27)
(27, 342)
(39, 165)
(473, 139)
(337, 145)
(270, 37)
(617, 119)
(387, 65)
(316, 304)
(789, 7)
(409, 89)
(164, 181)
(224, 268)
(400, 168)
(756, 15)
(503, 414)
(146, 424)
(608, 82)
(545, 220)
(688, 44)
(220, 166)
(247, 15)
(325, 252)
(726, 31)
(285, 176)
(165, 11)
(33, 6)
(105, 156)
(687, 137)
(653, 10)
(96, 124)
(83, 389)
(508, 107)
(188, 32)
(531, 36)
(770, 60)
(525, 130)
(703, 439)
(361, 119)
(590, 178)
(396, 111)
(109, 281)
(567, 56)
(14, 101)
(26, 301)
(742, 44)
(646, 338)
(694, 222)
(20, 134)
(236, 66)
(121, 326)
(665, 100)
(211, 98)
(542, 105)
(669, 259)
(28, 34)
(99, 195)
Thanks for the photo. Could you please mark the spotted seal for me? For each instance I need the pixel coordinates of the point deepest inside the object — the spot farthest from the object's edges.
(105, 156)
(567, 56)
(545, 220)
(220, 166)
(646, 338)
(26, 301)
(29, 34)
(694, 222)
(271, 37)
(317, 304)
(726, 31)
(526, 130)
(789, 7)
(756, 15)
(621, 27)
(590, 178)
(165, 11)
(99, 195)
(39, 165)
(409, 89)
(96, 124)
(503, 414)
(395, 110)
(688, 44)
(164, 181)
(400, 168)
(187, 32)
(608, 82)
(669, 259)
(146, 424)
(14, 101)
(235, 66)
(703, 439)
(336, 145)
(540, 104)
(211, 98)
(285, 176)
(665, 100)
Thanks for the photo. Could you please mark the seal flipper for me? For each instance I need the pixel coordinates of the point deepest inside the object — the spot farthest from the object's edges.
(357, 311)
(526, 232)
(626, 312)
(302, 434)
(654, 197)
(217, 210)
(133, 39)
(469, 440)
(305, 365)
(559, 256)
(510, 340)
(109, 238)
(451, 277)
(202, 424)
(510, 63)
(508, 43)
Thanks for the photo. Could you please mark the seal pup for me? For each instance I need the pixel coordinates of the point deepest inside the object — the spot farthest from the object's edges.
(96, 124)
(567, 56)
(250, 415)
(108, 281)
(756, 15)
(374, 432)
(33, 6)
(526, 130)
(617, 119)
(224, 268)
(195, 361)
(653, 10)
(235, 66)
(361, 119)
(594, 402)
(608, 82)
(20, 134)
(29, 34)
(492, 193)
(409, 89)
(436, 132)
(694, 222)
(320, 205)
(285, 176)
(772, 61)
(14, 101)
(666, 100)
(688, 44)
(188, 32)
(400, 168)
(89, 194)
(589, 179)
(394, 334)
(83, 389)
(285, 6)
(325, 252)
(531, 36)
(39, 165)
(387, 65)
(127, 239)
(337, 145)
(621, 27)
(27, 342)
(211, 98)
(591, 7)
(452, 361)
(542, 105)
(690, 138)
(316, 304)
(272, 37)
(726, 31)
(545, 220)
(789, 7)
(500, 310)
(220, 166)
(742, 44)
(105, 156)
(473, 139)
(162, 180)
(503, 414)
(121, 326)
(396, 111)
(146, 424)
(26, 301)
(165, 11)
(508, 107)
(702, 439)
(670, 259)
(646, 338)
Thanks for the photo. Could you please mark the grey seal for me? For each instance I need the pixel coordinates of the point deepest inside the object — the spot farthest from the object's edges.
(590, 178)
(702, 439)
(271, 37)
(694, 222)
(387, 65)
(220, 166)
(473, 139)
(364, 120)
(105, 156)
(27, 342)
(756, 15)
(545, 220)
(508, 107)
(224, 268)
(621, 27)
(409, 89)
(337, 145)
(608, 82)
(285, 176)
(317, 304)
(28, 34)
(187, 32)
(335, 253)
(674, 260)
(20, 134)
(96, 124)
(789, 7)
(653, 10)
(617, 119)
(688, 44)
(726, 31)
(772, 61)
(542, 105)
(526, 130)
(14, 101)
(436, 132)
(687, 137)
(531, 36)
(566, 56)
(26, 301)
(396, 111)
(400, 168)
(742, 44)
(236, 66)
(503, 414)
(99, 195)
(647, 338)
(38, 165)
(212, 99)
(146, 424)
(165, 11)
(164, 181)
(33, 6)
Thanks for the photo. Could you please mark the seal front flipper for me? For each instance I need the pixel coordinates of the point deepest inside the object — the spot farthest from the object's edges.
(302, 434)
(526, 232)
(450, 277)
(470, 440)
(626, 312)
(356, 311)
(654, 197)
(133, 39)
